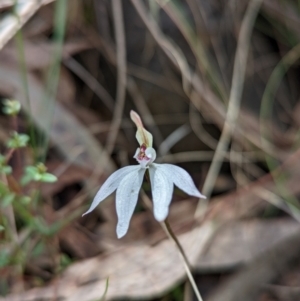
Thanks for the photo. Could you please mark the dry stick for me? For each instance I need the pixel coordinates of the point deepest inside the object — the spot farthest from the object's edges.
(10, 24)
(166, 226)
(121, 62)
(234, 99)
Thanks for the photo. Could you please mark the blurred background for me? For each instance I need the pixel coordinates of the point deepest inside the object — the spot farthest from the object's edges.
(215, 82)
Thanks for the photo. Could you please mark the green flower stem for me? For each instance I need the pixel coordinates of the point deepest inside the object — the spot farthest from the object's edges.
(167, 227)
(18, 152)
(10, 215)
(9, 212)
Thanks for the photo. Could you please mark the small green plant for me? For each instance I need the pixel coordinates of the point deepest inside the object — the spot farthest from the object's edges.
(17, 140)
(34, 173)
(19, 194)
(4, 167)
(11, 107)
(37, 173)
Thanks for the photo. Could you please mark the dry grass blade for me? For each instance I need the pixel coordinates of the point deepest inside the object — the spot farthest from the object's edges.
(212, 105)
(91, 82)
(173, 138)
(172, 53)
(195, 43)
(121, 77)
(240, 64)
(24, 10)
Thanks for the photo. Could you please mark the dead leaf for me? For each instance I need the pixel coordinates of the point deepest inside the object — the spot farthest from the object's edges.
(239, 242)
(143, 271)
(135, 271)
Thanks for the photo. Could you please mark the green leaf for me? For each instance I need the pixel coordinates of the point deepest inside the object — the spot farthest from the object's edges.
(38, 173)
(26, 179)
(38, 249)
(25, 200)
(31, 170)
(37, 177)
(65, 261)
(17, 140)
(1, 228)
(6, 169)
(11, 107)
(23, 138)
(8, 199)
(40, 225)
(48, 178)
(3, 189)
(2, 159)
(4, 258)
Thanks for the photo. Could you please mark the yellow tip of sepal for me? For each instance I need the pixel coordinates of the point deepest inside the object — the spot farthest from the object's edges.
(142, 135)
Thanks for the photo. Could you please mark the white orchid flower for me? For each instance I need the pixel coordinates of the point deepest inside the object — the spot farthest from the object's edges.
(128, 181)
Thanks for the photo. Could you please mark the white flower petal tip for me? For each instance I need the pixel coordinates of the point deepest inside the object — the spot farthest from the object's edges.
(126, 199)
(121, 232)
(162, 217)
(162, 192)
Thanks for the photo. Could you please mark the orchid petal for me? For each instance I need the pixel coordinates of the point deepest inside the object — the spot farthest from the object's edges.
(150, 153)
(162, 190)
(110, 185)
(126, 199)
(181, 179)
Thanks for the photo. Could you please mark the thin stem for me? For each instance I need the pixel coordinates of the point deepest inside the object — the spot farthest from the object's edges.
(14, 120)
(10, 215)
(53, 74)
(167, 227)
(9, 211)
